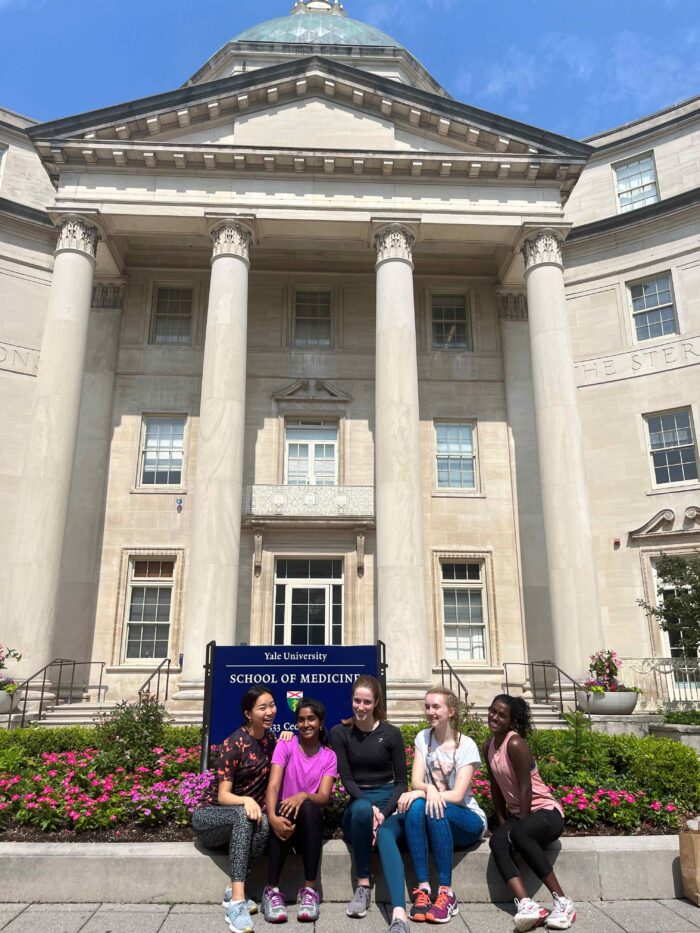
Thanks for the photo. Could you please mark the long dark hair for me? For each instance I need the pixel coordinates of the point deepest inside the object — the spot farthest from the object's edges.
(373, 685)
(250, 698)
(520, 717)
(319, 710)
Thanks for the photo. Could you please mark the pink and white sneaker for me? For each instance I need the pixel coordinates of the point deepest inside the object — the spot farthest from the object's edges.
(563, 914)
(529, 915)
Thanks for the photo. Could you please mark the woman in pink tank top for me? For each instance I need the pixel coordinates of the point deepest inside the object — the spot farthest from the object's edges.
(529, 817)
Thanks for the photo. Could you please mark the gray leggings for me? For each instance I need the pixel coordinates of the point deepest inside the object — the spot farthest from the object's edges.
(246, 839)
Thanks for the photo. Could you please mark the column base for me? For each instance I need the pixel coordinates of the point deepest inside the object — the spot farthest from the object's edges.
(405, 700)
(189, 698)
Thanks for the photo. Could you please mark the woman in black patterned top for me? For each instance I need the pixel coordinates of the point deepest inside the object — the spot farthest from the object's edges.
(233, 814)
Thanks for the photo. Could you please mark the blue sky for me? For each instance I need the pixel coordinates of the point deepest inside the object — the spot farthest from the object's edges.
(575, 68)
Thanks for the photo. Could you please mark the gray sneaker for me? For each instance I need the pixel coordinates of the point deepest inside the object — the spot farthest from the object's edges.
(238, 918)
(359, 905)
(273, 906)
(250, 904)
(398, 926)
(309, 902)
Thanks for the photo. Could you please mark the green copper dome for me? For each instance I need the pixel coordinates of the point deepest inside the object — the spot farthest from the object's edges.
(317, 23)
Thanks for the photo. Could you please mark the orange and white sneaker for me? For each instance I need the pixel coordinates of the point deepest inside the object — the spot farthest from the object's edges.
(530, 915)
(421, 905)
(563, 914)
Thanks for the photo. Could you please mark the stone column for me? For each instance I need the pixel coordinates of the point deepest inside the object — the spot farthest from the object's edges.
(82, 554)
(401, 602)
(48, 462)
(573, 585)
(212, 575)
(520, 407)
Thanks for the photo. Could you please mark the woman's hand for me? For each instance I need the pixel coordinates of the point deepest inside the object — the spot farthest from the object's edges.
(281, 827)
(285, 736)
(252, 809)
(289, 807)
(377, 820)
(405, 800)
(434, 804)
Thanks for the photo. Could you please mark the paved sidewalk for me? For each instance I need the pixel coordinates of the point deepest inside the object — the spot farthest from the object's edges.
(677, 916)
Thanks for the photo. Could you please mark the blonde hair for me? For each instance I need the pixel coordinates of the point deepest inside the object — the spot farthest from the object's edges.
(451, 702)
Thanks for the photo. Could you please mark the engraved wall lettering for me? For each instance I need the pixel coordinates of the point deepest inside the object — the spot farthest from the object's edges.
(672, 355)
(22, 360)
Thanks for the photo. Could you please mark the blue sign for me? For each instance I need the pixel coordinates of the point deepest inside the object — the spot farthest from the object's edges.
(326, 672)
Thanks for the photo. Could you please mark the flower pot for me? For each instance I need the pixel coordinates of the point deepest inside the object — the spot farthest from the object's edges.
(615, 703)
(8, 702)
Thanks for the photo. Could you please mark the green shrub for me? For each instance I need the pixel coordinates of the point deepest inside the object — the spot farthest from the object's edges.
(126, 738)
(181, 737)
(35, 740)
(662, 768)
(688, 717)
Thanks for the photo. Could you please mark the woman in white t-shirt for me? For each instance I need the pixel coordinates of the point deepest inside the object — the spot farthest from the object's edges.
(440, 806)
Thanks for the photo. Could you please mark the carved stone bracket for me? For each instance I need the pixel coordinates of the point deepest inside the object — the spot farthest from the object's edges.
(107, 296)
(360, 548)
(257, 552)
(664, 524)
(231, 238)
(394, 241)
(74, 233)
(542, 247)
(512, 306)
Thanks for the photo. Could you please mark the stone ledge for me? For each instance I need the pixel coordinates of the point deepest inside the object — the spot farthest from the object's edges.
(591, 868)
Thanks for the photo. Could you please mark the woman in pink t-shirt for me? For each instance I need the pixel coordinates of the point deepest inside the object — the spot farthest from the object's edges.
(301, 781)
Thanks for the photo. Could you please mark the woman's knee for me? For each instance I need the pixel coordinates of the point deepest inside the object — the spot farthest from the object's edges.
(416, 812)
(499, 839)
(361, 811)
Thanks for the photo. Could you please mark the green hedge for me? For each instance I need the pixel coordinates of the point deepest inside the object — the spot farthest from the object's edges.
(688, 717)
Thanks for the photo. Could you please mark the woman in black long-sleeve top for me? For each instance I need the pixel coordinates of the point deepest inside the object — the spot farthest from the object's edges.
(372, 767)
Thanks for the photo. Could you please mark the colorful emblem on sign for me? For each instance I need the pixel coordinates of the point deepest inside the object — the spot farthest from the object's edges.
(294, 698)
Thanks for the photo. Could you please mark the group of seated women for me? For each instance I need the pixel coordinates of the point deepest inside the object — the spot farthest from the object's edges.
(270, 794)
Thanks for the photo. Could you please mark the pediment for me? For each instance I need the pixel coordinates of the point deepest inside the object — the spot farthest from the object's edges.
(311, 397)
(666, 523)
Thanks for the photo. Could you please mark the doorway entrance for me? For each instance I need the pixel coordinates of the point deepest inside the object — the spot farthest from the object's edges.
(308, 601)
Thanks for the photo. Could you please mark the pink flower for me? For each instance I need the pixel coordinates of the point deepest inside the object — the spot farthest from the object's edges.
(670, 807)
(655, 805)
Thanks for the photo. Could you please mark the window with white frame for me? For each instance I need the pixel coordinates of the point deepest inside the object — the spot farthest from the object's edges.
(653, 311)
(311, 453)
(463, 610)
(672, 447)
(636, 183)
(455, 452)
(172, 316)
(450, 323)
(308, 601)
(149, 608)
(312, 319)
(162, 450)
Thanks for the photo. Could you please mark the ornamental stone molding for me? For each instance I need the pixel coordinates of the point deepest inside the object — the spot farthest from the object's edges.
(330, 502)
(107, 296)
(394, 242)
(542, 247)
(231, 238)
(77, 234)
(512, 306)
(667, 523)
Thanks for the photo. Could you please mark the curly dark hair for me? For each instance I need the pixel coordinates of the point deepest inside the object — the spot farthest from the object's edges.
(520, 716)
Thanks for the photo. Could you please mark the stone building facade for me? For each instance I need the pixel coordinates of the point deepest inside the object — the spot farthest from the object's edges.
(306, 351)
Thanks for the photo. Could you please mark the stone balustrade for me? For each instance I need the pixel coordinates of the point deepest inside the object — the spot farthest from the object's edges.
(309, 501)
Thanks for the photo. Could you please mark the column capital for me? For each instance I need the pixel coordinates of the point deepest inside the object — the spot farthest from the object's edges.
(231, 238)
(394, 241)
(512, 306)
(77, 234)
(542, 246)
(108, 295)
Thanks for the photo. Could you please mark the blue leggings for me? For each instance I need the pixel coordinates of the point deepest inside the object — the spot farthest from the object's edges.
(357, 825)
(460, 827)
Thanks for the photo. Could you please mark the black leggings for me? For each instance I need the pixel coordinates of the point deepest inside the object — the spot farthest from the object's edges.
(306, 839)
(527, 836)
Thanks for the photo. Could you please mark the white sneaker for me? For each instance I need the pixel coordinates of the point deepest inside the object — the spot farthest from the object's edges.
(563, 914)
(529, 915)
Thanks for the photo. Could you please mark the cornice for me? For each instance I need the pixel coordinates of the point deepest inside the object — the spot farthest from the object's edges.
(422, 107)
(630, 219)
(23, 212)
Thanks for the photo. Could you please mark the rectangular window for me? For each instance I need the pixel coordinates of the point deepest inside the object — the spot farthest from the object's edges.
(449, 321)
(311, 457)
(308, 601)
(162, 450)
(463, 608)
(636, 183)
(672, 447)
(149, 607)
(652, 308)
(172, 316)
(456, 455)
(312, 319)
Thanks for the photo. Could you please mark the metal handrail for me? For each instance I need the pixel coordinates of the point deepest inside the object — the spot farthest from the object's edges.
(555, 686)
(456, 684)
(670, 682)
(145, 689)
(61, 663)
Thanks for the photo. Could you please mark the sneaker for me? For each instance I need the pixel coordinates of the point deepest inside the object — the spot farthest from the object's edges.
(309, 904)
(273, 906)
(421, 904)
(529, 915)
(359, 905)
(238, 918)
(443, 909)
(563, 914)
(398, 926)
(250, 903)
